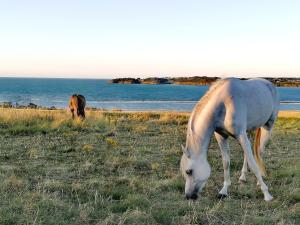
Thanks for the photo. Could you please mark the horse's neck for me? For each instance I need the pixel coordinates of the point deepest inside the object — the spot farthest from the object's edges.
(201, 129)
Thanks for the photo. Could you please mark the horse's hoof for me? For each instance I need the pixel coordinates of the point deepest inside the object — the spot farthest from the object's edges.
(242, 180)
(268, 198)
(222, 196)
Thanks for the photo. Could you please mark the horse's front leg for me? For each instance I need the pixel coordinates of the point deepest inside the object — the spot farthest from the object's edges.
(245, 143)
(224, 146)
(72, 111)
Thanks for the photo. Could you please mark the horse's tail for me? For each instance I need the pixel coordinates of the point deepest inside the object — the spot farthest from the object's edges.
(257, 153)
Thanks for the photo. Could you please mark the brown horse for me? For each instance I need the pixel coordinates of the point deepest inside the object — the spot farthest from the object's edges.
(77, 104)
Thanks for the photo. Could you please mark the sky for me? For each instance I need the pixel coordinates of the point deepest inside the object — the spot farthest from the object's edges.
(139, 38)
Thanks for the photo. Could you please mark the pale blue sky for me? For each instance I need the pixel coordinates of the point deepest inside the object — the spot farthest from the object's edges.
(116, 38)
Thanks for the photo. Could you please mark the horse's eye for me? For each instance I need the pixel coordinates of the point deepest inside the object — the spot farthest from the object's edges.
(189, 172)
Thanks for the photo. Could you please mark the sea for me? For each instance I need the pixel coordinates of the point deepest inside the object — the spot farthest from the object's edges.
(99, 93)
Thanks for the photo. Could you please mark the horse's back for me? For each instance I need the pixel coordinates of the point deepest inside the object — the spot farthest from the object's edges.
(248, 104)
(77, 101)
(255, 94)
(81, 101)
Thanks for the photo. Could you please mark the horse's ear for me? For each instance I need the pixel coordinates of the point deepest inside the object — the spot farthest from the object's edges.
(185, 151)
(183, 148)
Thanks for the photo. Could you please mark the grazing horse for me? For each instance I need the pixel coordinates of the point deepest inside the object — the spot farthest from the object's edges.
(77, 104)
(231, 107)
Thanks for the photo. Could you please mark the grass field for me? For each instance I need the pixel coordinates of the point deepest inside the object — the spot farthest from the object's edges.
(123, 168)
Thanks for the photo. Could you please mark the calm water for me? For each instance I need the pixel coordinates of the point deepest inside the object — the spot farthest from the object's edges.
(101, 94)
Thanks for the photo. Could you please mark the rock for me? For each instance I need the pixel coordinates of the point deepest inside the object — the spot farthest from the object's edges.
(7, 105)
(32, 105)
(20, 106)
(91, 108)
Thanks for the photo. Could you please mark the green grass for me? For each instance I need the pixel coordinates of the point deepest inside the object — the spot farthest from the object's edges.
(123, 168)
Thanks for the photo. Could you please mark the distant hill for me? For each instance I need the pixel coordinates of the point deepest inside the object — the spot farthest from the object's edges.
(280, 82)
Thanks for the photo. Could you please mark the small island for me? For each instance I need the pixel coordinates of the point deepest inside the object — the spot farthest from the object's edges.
(151, 80)
(202, 81)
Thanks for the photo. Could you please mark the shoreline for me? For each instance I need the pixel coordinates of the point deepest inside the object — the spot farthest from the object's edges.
(137, 106)
(281, 114)
(289, 114)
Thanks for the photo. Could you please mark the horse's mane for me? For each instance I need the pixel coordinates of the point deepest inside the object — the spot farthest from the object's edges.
(201, 105)
(203, 101)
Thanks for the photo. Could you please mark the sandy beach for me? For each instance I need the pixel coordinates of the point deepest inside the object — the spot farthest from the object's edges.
(289, 114)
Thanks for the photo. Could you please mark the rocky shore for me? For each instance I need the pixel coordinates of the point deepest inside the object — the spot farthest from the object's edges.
(29, 106)
(280, 82)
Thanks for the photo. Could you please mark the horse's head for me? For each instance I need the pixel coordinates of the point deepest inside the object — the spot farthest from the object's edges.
(195, 170)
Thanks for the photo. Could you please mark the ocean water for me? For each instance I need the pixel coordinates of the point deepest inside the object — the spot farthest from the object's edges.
(101, 94)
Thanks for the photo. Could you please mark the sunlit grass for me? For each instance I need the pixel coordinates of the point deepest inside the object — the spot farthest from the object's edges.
(123, 168)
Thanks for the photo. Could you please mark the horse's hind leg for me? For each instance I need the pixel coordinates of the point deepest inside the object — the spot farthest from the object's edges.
(223, 144)
(83, 113)
(245, 143)
(266, 131)
(244, 170)
(264, 138)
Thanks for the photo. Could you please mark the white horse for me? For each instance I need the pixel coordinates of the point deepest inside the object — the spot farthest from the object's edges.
(231, 107)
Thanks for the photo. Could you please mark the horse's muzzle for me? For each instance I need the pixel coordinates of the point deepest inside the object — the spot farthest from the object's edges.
(192, 196)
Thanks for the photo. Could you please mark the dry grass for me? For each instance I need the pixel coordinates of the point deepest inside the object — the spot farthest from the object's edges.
(122, 168)
(289, 114)
(11, 115)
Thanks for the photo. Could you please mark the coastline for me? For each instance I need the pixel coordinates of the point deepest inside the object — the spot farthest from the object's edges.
(36, 93)
(281, 114)
(138, 106)
(199, 80)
